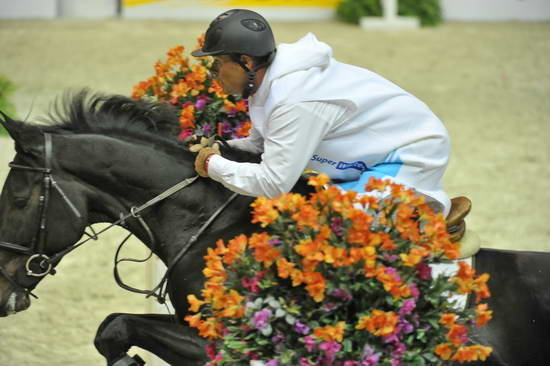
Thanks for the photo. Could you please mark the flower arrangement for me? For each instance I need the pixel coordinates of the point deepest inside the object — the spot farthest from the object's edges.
(204, 109)
(339, 279)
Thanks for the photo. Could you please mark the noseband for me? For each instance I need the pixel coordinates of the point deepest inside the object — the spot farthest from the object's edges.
(39, 264)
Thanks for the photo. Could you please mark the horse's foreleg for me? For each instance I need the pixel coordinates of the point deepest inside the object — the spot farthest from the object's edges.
(162, 335)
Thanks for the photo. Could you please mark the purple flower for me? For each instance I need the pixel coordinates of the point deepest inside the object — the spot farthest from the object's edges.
(407, 327)
(304, 362)
(261, 318)
(329, 307)
(336, 226)
(342, 294)
(207, 130)
(369, 357)
(330, 348)
(226, 128)
(200, 103)
(185, 134)
(351, 363)
(408, 307)
(309, 343)
(278, 338)
(394, 336)
(395, 362)
(393, 271)
(399, 350)
(414, 291)
(275, 242)
(424, 271)
(272, 363)
(301, 327)
(390, 257)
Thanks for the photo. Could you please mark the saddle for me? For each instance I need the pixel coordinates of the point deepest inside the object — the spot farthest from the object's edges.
(456, 227)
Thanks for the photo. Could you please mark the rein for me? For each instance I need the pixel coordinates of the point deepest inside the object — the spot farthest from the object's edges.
(45, 264)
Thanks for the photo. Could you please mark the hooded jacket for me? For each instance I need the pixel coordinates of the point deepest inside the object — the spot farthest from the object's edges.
(313, 112)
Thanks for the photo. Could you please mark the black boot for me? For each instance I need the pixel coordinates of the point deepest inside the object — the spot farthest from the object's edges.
(129, 361)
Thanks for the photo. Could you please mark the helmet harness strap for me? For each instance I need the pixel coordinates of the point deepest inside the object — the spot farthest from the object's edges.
(250, 83)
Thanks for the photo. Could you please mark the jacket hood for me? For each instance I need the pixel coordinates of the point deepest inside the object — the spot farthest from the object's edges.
(304, 54)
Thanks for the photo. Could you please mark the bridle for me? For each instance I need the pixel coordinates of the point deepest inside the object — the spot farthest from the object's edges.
(39, 264)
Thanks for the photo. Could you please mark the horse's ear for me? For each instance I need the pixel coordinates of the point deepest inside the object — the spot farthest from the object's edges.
(9, 125)
(24, 134)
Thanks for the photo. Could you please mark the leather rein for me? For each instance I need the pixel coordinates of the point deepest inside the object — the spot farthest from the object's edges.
(39, 264)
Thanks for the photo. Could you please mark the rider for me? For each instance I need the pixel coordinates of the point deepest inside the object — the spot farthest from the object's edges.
(310, 111)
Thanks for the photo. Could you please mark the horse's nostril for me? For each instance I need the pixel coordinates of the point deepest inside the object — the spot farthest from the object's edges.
(23, 302)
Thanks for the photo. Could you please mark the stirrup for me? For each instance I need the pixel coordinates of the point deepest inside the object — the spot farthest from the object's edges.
(456, 226)
(470, 242)
(129, 361)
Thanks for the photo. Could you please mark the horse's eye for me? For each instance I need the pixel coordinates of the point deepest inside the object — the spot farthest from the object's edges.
(20, 202)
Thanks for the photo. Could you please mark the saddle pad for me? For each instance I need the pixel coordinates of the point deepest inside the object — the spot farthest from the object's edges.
(451, 269)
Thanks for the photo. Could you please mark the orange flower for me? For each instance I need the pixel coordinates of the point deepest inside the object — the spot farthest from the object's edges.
(472, 353)
(180, 89)
(483, 315)
(264, 212)
(194, 303)
(210, 328)
(390, 280)
(217, 89)
(214, 266)
(311, 251)
(331, 333)
(290, 202)
(468, 282)
(241, 106)
(200, 41)
(447, 319)
(480, 287)
(458, 334)
(193, 320)
(187, 116)
(379, 323)
(140, 90)
(264, 252)
(444, 351)
(297, 277)
(414, 257)
(233, 307)
(377, 185)
(307, 216)
(332, 254)
(318, 181)
(244, 129)
(284, 268)
(162, 69)
(315, 285)
(235, 249)
(369, 255)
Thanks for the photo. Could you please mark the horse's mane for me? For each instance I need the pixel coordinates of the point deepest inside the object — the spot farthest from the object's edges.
(87, 112)
(117, 115)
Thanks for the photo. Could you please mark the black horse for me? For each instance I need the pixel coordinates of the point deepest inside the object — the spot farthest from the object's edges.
(104, 155)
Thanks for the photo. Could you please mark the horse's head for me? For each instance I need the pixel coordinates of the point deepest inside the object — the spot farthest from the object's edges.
(32, 207)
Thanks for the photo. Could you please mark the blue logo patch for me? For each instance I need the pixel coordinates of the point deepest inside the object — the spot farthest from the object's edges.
(389, 167)
(359, 165)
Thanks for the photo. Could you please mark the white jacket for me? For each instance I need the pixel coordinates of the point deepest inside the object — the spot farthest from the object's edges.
(313, 112)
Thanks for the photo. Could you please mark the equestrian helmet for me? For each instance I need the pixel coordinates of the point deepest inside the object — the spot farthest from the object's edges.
(238, 31)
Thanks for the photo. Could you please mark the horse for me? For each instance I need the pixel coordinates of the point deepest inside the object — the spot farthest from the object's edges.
(101, 156)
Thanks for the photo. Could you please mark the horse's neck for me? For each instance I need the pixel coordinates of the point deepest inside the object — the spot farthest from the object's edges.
(123, 174)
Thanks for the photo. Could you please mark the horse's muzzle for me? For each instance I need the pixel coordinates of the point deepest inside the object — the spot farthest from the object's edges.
(16, 302)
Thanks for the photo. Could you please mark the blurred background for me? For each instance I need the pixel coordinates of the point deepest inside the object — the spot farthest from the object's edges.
(482, 66)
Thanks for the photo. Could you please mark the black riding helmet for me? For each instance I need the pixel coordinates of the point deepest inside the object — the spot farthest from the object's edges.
(239, 32)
